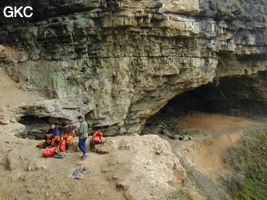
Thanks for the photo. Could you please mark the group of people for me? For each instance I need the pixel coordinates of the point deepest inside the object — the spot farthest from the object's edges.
(54, 136)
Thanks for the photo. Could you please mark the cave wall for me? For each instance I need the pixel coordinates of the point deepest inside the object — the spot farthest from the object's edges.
(119, 62)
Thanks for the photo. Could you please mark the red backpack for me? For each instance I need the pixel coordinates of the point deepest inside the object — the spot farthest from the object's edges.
(50, 152)
(62, 146)
(97, 136)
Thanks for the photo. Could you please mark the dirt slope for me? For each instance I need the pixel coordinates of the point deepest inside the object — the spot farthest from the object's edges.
(211, 122)
(216, 134)
(10, 94)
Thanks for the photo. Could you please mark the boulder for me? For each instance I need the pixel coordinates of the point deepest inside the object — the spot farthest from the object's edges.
(144, 167)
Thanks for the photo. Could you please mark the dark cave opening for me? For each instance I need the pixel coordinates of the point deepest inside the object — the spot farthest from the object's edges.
(242, 96)
(36, 127)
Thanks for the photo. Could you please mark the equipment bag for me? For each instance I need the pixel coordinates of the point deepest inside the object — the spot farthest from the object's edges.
(50, 152)
(62, 146)
(58, 155)
(42, 145)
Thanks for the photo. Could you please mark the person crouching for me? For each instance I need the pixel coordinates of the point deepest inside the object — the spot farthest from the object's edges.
(96, 139)
(52, 137)
(83, 134)
(67, 134)
(55, 135)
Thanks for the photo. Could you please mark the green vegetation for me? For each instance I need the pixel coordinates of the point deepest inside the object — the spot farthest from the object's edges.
(249, 161)
(181, 194)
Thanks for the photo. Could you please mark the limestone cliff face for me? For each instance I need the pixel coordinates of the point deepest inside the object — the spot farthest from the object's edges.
(119, 62)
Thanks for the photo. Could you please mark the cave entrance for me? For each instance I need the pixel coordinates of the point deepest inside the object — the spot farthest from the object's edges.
(36, 127)
(239, 96)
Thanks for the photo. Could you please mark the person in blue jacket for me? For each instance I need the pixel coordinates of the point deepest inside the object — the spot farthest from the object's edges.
(52, 137)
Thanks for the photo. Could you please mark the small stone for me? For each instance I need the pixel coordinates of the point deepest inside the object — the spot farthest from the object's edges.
(4, 122)
(29, 191)
(79, 176)
(175, 137)
(13, 120)
(122, 186)
(181, 137)
(158, 152)
(69, 194)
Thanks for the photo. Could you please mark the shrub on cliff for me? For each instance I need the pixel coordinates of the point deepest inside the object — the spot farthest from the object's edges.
(249, 162)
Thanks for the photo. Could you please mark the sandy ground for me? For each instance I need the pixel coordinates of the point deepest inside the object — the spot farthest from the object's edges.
(207, 153)
(48, 178)
(211, 122)
(216, 134)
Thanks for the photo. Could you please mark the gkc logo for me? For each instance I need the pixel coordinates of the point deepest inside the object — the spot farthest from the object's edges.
(21, 11)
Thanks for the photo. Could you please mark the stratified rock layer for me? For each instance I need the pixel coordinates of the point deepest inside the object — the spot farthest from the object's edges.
(119, 62)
